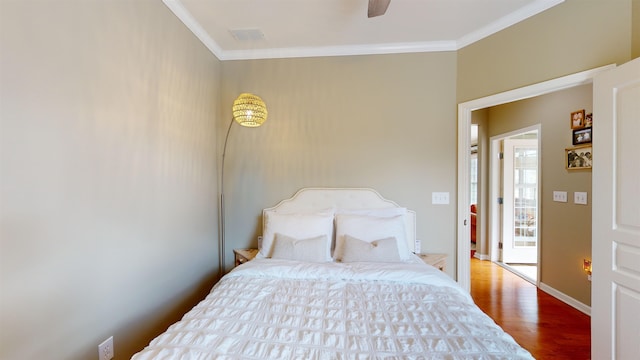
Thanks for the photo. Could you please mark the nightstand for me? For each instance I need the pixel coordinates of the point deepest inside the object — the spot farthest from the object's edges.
(439, 261)
(244, 255)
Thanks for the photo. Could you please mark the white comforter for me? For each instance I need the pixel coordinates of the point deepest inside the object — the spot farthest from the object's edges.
(278, 309)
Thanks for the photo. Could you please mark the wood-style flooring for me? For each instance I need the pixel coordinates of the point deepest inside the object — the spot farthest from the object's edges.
(542, 324)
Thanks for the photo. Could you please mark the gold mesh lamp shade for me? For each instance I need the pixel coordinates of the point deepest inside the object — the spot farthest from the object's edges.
(249, 110)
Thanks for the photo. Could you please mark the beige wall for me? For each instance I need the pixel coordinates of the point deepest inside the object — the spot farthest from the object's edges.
(387, 122)
(108, 175)
(108, 211)
(635, 37)
(544, 47)
(573, 36)
(565, 228)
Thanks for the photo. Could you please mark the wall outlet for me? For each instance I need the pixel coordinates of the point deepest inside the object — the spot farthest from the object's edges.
(560, 196)
(105, 349)
(580, 198)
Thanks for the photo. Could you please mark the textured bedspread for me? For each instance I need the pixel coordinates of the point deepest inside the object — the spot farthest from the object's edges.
(275, 309)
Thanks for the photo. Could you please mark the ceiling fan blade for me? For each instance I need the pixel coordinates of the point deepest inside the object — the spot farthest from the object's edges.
(377, 7)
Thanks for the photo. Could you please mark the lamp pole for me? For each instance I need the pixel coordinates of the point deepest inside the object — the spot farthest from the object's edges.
(248, 110)
(221, 243)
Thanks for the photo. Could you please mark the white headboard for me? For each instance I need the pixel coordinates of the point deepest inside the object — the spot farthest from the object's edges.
(316, 199)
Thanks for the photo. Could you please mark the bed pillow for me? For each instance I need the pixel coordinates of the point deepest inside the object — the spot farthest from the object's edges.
(377, 212)
(383, 250)
(297, 226)
(380, 212)
(309, 250)
(370, 228)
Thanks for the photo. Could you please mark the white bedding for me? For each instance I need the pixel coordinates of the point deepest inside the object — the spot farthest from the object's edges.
(284, 309)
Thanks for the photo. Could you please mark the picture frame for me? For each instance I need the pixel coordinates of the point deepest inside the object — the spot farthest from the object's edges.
(582, 136)
(588, 120)
(577, 119)
(579, 158)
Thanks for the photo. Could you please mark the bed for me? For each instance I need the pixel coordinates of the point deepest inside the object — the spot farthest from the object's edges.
(335, 278)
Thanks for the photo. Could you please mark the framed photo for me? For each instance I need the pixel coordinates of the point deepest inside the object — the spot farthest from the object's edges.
(588, 120)
(582, 136)
(577, 119)
(577, 158)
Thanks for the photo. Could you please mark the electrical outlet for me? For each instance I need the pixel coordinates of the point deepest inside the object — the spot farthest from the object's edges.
(105, 349)
(560, 196)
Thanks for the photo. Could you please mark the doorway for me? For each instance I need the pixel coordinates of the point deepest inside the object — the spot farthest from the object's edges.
(516, 177)
(465, 110)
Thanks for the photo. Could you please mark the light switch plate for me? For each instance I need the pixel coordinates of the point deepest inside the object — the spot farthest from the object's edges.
(560, 196)
(580, 197)
(440, 198)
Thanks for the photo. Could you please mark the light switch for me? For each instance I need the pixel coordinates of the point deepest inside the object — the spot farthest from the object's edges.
(560, 196)
(441, 198)
(580, 198)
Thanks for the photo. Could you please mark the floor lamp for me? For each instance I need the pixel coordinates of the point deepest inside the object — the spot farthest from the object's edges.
(248, 110)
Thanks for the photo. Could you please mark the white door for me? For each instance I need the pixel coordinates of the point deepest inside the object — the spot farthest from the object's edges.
(615, 295)
(520, 205)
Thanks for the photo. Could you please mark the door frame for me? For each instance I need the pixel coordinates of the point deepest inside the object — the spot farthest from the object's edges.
(463, 268)
(495, 216)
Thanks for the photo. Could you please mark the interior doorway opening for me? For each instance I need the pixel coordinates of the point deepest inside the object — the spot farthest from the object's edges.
(514, 184)
(473, 189)
(464, 128)
(519, 243)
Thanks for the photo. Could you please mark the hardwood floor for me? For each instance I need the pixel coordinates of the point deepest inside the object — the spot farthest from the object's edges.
(542, 324)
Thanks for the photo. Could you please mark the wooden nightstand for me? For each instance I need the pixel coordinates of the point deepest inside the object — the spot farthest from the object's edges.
(439, 261)
(244, 255)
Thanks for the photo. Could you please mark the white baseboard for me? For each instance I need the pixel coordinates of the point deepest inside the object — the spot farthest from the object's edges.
(565, 298)
(483, 257)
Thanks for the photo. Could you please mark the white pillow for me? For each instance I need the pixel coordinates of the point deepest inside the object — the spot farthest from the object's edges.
(383, 213)
(298, 226)
(383, 250)
(370, 228)
(310, 250)
(377, 212)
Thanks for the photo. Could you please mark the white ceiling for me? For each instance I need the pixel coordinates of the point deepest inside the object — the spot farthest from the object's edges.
(304, 28)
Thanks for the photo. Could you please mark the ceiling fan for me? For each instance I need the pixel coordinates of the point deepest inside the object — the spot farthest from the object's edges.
(377, 7)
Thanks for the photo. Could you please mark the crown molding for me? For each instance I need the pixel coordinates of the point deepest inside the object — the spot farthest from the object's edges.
(395, 48)
(192, 24)
(506, 21)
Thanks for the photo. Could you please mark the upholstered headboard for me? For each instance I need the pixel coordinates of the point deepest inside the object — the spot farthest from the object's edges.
(318, 199)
